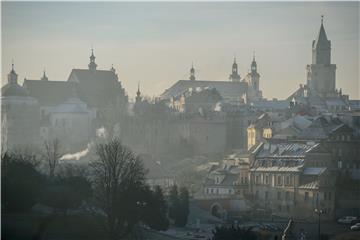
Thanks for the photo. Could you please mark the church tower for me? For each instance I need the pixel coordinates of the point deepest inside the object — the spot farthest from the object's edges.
(253, 77)
(92, 65)
(253, 81)
(234, 76)
(321, 73)
(12, 76)
(192, 73)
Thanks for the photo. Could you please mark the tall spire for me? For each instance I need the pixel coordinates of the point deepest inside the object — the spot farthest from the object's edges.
(92, 65)
(253, 64)
(138, 94)
(321, 38)
(234, 76)
(321, 46)
(192, 72)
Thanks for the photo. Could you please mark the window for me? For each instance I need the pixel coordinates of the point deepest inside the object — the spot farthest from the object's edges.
(257, 179)
(279, 208)
(287, 180)
(279, 195)
(329, 196)
(266, 195)
(266, 179)
(279, 180)
(287, 208)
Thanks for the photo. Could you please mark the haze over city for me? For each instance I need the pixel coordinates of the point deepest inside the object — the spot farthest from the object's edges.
(155, 43)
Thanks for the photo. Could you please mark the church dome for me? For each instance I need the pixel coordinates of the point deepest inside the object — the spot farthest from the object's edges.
(13, 90)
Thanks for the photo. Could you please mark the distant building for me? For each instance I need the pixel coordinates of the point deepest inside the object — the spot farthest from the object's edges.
(71, 110)
(293, 179)
(20, 115)
(320, 91)
(228, 180)
(235, 91)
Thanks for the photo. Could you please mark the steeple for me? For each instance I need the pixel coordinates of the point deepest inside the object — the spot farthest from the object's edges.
(321, 47)
(44, 77)
(12, 76)
(253, 64)
(234, 76)
(138, 94)
(321, 74)
(192, 72)
(92, 65)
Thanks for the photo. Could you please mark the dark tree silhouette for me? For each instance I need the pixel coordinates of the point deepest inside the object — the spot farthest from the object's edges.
(21, 182)
(155, 214)
(179, 206)
(52, 155)
(174, 203)
(184, 206)
(119, 182)
(65, 193)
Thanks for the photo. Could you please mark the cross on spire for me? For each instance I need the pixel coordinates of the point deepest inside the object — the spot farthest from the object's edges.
(322, 19)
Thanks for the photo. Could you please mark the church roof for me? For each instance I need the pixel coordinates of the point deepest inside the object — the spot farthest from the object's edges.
(48, 92)
(229, 91)
(97, 87)
(321, 38)
(13, 90)
(97, 76)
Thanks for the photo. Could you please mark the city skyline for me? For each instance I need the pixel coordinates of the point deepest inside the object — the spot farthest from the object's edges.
(155, 44)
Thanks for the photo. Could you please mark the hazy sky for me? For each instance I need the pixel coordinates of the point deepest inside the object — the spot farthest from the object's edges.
(155, 43)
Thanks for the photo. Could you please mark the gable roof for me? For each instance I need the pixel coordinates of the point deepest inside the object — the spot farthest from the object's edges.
(48, 92)
(97, 87)
(229, 91)
(94, 76)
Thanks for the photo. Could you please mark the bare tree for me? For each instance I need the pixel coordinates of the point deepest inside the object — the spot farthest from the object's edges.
(118, 184)
(52, 154)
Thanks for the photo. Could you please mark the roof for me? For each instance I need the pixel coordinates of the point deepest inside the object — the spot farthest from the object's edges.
(314, 170)
(98, 88)
(321, 38)
(12, 89)
(229, 91)
(311, 185)
(48, 92)
(285, 149)
(271, 104)
(277, 169)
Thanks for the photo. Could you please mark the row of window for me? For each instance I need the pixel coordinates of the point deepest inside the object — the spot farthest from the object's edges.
(217, 191)
(279, 180)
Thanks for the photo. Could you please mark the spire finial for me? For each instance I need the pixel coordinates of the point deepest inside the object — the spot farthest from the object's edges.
(192, 71)
(12, 64)
(234, 57)
(322, 19)
(254, 55)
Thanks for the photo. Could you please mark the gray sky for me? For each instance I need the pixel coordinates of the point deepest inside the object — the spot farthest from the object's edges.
(155, 43)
